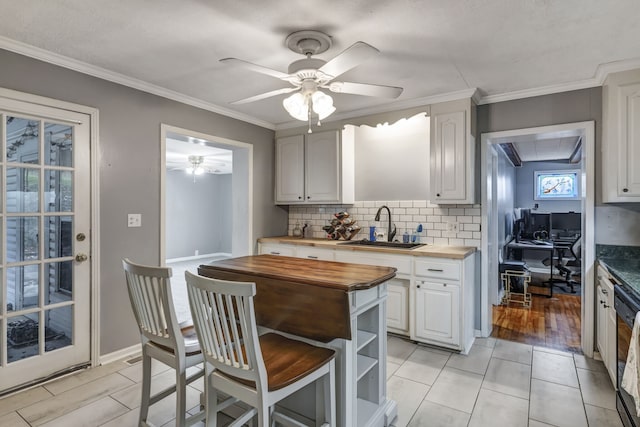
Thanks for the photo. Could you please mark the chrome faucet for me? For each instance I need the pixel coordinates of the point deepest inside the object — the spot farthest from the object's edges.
(390, 234)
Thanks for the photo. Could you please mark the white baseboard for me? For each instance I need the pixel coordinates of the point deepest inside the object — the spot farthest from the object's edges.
(120, 354)
(192, 258)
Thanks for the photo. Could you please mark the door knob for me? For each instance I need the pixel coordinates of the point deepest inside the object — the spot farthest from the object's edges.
(81, 257)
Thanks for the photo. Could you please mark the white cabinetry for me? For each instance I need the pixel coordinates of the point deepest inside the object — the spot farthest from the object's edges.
(606, 322)
(398, 306)
(452, 152)
(312, 252)
(315, 168)
(275, 249)
(621, 137)
(438, 310)
(444, 302)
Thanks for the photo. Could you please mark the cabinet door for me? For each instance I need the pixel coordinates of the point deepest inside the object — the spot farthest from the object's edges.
(275, 249)
(290, 169)
(601, 325)
(449, 158)
(438, 312)
(322, 167)
(397, 305)
(315, 253)
(629, 153)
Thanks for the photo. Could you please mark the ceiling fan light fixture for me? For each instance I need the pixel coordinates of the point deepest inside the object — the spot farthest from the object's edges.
(297, 106)
(196, 167)
(322, 104)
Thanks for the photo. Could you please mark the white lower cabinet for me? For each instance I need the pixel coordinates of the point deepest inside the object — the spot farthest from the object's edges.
(443, 302)
(606, 322)
(398, 306)
(431, 300)
(438, 312)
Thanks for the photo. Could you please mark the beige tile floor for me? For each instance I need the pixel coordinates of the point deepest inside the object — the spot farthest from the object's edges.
(500, 383)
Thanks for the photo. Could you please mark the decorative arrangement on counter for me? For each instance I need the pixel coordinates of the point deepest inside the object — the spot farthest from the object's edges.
(342, 227)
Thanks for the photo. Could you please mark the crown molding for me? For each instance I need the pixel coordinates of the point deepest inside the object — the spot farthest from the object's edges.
(602, 71)
(102, 73)
(394, 106)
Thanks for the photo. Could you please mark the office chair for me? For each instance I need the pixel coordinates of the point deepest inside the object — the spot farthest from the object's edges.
(573, 266)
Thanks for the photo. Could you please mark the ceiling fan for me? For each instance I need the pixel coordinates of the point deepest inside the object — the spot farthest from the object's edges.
(308, 75)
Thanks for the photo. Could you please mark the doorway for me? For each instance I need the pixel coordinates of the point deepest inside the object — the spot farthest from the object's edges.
(206, 212)
(45, 226)
(493, 225)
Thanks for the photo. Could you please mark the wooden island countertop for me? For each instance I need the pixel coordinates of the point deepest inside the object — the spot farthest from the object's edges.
(304, 297)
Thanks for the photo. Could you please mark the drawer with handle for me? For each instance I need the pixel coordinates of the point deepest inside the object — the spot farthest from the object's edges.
(439, 269)
(282, 250)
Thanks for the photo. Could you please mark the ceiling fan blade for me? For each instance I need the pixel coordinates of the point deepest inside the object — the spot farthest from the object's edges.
(265, 95)
(349, 58)
(365, 89)
(255, 67)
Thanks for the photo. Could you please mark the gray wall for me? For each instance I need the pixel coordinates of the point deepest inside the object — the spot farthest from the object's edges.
(392, 161)
(129, 169)
(525, 187)
(198, 214)
(614, 224)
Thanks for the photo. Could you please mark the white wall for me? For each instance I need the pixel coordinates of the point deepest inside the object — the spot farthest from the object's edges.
(198, 214)
(391, 160)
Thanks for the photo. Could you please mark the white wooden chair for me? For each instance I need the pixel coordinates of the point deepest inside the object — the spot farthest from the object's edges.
(257, 370)
(162, 338)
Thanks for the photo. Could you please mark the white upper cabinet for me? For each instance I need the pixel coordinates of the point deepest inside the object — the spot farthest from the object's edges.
(452, 153)
(290, 169)
(315, 168)
(621, 137)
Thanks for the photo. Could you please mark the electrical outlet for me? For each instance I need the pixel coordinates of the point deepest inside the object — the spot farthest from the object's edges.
(452, 226)
(134, 220)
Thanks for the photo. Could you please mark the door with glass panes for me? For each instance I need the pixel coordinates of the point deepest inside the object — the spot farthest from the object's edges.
(45, 263)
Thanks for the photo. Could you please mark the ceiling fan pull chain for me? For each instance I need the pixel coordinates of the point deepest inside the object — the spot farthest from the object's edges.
(309, 116)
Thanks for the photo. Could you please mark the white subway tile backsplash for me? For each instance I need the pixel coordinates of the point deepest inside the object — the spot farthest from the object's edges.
(405, 214)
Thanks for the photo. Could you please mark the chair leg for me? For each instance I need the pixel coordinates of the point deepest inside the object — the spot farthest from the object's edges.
(264, 415)
(181, 399)
(146, 389)
(212, 403)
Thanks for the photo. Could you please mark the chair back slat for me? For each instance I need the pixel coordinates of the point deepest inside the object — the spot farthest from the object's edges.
(224, 318)
(150, 295)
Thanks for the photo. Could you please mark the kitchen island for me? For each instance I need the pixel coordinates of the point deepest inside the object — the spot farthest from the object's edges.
(337, 305)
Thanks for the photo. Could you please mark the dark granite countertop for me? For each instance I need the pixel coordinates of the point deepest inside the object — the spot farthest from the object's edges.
(623, 263)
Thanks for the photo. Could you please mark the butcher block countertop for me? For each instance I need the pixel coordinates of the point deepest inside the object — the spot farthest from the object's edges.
(304, 297)
(436, 251)
(328, 274)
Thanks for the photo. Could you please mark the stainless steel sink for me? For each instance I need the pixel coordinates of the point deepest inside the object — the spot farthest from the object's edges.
(381, 244)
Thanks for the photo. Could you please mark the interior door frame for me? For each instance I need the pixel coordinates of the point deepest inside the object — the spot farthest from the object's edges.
(94, 256)
(586, 130)
(243, 242)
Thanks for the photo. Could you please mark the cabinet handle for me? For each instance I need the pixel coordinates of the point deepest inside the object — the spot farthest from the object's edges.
(299, 197)
(439, 270)
(625, 190)
(308, 197)
(444, 284)
(418, 286)
(601, 302)
(274, 253)
(606, 306)
(312, 257)
(437, 194)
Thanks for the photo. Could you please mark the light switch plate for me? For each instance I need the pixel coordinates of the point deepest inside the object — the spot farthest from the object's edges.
(134, 220)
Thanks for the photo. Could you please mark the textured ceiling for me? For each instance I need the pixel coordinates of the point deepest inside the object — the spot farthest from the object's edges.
(428, 47)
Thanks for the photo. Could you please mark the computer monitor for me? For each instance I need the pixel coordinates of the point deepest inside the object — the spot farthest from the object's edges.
(566, 222)
(538, 223)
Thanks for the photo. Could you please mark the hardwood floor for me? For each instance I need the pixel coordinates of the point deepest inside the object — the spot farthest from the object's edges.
(550, 322)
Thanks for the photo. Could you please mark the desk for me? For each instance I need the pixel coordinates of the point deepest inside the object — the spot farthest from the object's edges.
(524, 245)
